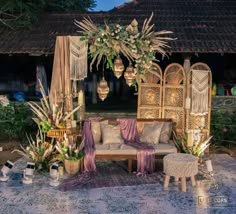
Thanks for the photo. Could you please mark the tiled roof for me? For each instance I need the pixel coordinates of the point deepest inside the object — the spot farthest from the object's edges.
(206, 26)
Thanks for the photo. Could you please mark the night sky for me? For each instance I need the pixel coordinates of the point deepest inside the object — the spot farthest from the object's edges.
(105, 5)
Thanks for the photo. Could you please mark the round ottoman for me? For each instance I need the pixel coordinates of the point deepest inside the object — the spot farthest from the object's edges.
(180, 165)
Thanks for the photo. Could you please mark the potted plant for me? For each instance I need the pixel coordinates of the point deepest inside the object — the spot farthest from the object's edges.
(38, 151)
(197, 149)
(48, 115)
(71, 154)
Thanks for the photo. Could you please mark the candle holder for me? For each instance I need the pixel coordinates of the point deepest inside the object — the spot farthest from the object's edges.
(214, 186)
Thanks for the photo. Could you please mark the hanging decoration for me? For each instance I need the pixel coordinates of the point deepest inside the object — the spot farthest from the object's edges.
(129, 75)
(138, 46)
(103, 89)
(118, 67)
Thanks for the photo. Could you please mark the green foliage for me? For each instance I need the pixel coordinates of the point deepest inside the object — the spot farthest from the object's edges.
(68, 151)
(38, 150)
(15, 121)
(223, 127)
(197, 149)
(16, 14)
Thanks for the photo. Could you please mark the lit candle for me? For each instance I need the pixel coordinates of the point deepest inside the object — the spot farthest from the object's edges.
(61, 171)
(209, 166)
(190, 138)
(202, 122)
(81, 98)
(53, 111)
(187, 103)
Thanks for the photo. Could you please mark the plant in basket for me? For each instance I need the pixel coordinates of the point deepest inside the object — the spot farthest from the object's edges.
(49, 116)
(38, 151)
(70, 153)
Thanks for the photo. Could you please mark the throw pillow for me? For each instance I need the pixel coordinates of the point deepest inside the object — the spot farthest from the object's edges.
(151, 133)
(166, 132)
(111, 134)
(96, 130)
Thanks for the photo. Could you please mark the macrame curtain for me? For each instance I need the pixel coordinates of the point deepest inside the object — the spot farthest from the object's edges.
(70, 64)
(78, 58)
(200, 91)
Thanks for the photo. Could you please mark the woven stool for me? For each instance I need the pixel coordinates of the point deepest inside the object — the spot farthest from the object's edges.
(180, 165)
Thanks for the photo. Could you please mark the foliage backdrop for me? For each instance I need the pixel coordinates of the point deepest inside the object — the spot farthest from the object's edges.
(16, 14)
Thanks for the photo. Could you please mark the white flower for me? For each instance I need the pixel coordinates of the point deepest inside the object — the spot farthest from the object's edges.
(112, 34)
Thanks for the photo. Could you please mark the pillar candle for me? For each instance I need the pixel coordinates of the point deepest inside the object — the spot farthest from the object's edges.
(61, 171)
(190, 138)
(81, 98)
(209, 166)
(202, 121)
(187, 103)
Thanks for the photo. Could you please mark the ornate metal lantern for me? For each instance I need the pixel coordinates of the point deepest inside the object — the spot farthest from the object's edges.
(129, 75)
(103, 89)
(118, 67)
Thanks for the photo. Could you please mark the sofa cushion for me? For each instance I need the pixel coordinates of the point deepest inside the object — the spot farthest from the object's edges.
(151, 133)
(96, 130)
(115, 149)
(111, 134)
(165, 132)
(164, 148)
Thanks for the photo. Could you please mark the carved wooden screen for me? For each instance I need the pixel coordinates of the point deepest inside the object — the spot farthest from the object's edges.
(150, 94)
(194, 121)
(174, 93)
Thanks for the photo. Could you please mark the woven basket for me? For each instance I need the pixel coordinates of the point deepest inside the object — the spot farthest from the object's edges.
(72, 166)
(58, 133)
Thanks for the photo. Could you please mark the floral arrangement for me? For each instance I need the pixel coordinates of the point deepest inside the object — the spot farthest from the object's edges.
(111, 40)
(68, 151)
(39, 151)
(48, 117)
(197, 149)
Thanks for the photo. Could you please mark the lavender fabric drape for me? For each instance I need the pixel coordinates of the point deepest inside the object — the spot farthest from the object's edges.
(89, 161)
(145, 153)
(89, 147)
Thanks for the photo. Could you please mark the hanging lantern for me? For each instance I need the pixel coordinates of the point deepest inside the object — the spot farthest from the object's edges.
(102, 89)
(118, 67)
(129, 75)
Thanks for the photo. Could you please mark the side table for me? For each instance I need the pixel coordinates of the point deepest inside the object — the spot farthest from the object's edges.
(180, 165)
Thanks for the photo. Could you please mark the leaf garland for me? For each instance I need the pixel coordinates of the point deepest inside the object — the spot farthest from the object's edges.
(111, 40)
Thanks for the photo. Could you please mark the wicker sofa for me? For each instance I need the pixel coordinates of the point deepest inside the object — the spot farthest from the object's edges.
(109, 143)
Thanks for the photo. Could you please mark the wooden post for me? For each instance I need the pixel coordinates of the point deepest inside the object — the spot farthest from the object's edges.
(166, 182)
(130, 165)
(183, 183)
(193, 181)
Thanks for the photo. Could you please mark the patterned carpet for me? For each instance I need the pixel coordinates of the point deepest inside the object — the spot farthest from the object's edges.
(140, 196)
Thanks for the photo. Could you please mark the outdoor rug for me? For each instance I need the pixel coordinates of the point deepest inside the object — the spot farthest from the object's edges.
(139, 196)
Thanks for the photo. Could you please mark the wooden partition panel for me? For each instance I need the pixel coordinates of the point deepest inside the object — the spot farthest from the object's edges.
(174, 93)
(150, 94)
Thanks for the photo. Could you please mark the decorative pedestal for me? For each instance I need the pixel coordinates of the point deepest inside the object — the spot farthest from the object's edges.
(181, 166)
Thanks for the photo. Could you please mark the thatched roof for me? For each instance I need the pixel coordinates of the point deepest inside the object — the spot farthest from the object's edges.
(201, 26)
